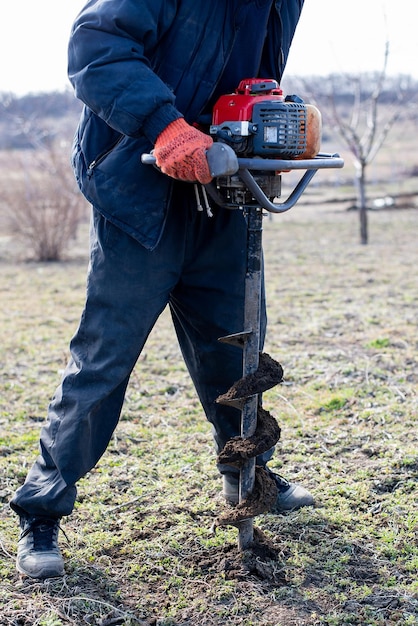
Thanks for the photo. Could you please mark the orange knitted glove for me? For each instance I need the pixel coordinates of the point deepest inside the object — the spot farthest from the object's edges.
(180, 152)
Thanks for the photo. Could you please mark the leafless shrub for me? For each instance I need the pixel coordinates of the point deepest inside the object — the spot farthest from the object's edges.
(41, 204)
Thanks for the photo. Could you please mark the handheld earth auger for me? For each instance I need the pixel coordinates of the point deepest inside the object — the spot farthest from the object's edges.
(258, 134)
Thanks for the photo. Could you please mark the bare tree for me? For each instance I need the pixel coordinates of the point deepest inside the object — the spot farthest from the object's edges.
(365, 132)
(362, 110)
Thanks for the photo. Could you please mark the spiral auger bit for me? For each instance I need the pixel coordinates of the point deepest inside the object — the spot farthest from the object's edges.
(259, 430)
(246, 190)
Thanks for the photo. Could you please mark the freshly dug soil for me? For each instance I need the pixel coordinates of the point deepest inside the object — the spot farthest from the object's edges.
(237, 450)
(261, 560)
(268, 374)
(262, 499)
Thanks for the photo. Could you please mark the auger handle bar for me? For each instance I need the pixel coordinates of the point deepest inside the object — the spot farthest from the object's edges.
(223, 161)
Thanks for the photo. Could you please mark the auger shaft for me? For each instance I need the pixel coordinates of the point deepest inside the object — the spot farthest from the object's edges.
(251, 351)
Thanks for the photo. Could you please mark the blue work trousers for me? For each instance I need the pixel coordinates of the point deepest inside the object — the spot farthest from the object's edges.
(198, 269)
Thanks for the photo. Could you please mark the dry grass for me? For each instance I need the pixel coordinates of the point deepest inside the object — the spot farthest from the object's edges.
(342, 321)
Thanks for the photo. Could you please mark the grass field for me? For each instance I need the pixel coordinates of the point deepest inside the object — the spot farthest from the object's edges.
(139, 547)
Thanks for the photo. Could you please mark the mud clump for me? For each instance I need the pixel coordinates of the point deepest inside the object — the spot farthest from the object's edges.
(261, 500)
(268, 374)
(238, 450)
(262, 547)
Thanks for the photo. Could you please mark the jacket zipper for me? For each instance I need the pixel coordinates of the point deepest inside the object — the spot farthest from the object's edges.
(102, 157)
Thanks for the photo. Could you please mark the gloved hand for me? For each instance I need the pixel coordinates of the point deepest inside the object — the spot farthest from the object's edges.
(180, 152)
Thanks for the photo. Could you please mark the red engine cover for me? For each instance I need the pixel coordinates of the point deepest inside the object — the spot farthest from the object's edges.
(238, 106)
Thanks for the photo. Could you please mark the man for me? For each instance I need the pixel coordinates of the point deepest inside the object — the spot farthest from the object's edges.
(147, 72)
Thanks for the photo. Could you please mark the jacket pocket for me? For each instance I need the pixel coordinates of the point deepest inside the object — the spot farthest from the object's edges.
(101, 157)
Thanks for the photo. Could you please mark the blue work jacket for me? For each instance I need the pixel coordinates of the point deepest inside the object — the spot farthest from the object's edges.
(137, 65)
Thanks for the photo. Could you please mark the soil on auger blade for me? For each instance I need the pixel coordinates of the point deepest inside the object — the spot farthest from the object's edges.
(261, 500)
(237, 450)
(268, 374)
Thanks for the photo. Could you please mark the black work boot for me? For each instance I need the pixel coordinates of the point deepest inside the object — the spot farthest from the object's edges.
(38, 554)
(290, 496)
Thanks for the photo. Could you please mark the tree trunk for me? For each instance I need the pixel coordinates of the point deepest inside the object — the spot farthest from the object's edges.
(362, 205)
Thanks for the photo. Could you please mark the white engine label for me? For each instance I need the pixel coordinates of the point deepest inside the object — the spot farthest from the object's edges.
(270, 134)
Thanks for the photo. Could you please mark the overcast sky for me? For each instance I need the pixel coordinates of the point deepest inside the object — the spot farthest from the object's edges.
(332, 36)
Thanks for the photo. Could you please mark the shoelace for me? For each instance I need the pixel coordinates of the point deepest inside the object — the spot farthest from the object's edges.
(45, 533)
(282, 483)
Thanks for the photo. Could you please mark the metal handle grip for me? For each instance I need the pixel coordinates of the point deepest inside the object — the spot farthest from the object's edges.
(222, 160)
